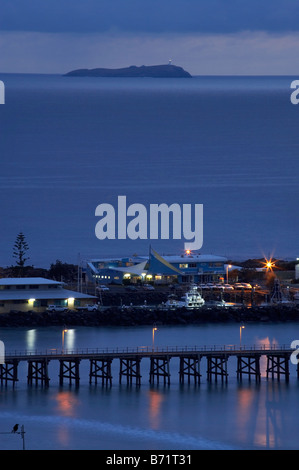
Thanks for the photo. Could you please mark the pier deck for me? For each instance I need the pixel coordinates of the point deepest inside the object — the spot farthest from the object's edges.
(190, 358)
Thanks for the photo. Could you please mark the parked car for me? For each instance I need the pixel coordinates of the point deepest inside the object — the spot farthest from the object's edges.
(209, 285)
(247, 285)
(89, 308)
(148, 287)
(242, 285)
(131, 288)
(228, 287)
(102, 288)
(56, 308)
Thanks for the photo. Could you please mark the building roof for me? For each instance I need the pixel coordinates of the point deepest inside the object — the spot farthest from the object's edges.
(195, 258)
(132, 259)
(170, 258)
(135, 269)
(56, 294)
(18, 281)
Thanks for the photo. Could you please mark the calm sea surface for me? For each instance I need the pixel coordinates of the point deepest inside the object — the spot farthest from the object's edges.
(70, 144)
(149, 417)
(67, 145)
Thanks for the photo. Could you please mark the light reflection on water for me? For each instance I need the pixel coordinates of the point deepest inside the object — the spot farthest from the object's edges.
(155, 404)
(210, 416)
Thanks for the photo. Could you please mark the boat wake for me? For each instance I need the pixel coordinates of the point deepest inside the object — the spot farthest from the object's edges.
(142, 438)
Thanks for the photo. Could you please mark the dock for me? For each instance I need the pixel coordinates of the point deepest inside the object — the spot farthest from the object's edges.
(190, 360)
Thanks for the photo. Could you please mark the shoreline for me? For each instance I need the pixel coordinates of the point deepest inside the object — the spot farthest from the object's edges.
(133, 316)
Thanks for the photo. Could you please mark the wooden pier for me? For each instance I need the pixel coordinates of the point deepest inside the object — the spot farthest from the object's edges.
(190, 360)
(249, 364)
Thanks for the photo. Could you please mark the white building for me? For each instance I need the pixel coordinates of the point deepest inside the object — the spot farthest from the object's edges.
(36, 294)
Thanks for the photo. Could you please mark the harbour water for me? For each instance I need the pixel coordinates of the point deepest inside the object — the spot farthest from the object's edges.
(68, 145)
(230, 415)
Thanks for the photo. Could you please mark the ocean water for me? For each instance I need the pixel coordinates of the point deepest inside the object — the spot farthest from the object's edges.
(69, 144)
(210, 416)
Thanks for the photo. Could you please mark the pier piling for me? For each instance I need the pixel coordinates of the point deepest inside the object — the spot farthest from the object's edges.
(130, 368)
(38, 372)
(9, 372)
(69, 369)
(100, 368)
(159, 367)
(190, 367)
(249, 365)
(217, 366)
(278, 365)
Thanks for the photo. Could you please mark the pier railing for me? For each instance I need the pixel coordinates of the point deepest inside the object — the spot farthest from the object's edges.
(144, 350)
(100, 359)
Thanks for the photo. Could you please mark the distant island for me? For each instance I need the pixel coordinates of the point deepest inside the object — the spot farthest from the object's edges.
(153, 71)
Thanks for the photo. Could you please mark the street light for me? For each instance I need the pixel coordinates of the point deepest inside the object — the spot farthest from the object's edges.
(154, 329)
(63, 331)
(241, 328)
(228, 266)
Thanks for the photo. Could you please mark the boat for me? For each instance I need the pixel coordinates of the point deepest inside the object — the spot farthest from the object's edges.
(223, 304)
(190, 300)
(278, 298)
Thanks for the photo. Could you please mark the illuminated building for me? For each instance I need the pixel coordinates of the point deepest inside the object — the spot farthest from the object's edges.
(36, 294)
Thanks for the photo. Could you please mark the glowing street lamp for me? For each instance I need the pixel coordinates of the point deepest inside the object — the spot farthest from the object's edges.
(227, 267)
(154, 330)
(63, 332)
(241, 328)
(269, 264)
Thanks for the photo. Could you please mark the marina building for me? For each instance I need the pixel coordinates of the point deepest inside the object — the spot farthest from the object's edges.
(37, 294)
(185, 268)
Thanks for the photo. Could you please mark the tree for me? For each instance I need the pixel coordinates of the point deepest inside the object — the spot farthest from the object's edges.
(19, 252)
(65, 271)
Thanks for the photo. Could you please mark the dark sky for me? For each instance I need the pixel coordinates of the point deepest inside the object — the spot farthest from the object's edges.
(203, 36)
(151, 16)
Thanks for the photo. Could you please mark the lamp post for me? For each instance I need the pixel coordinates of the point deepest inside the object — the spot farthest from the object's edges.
(63, 332)
(227, 267)
(154, 330)
(241, 328)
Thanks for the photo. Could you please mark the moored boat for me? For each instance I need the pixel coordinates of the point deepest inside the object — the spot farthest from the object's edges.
(190, 300)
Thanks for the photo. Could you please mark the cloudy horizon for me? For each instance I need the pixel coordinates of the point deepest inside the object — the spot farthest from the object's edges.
(204, 37)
